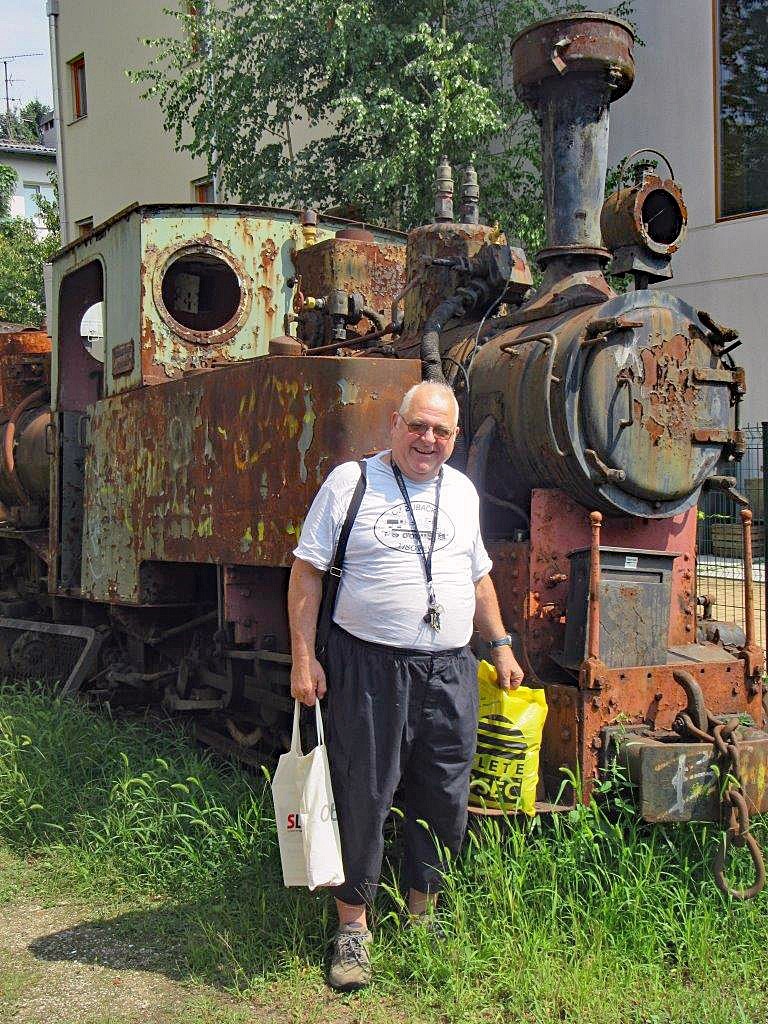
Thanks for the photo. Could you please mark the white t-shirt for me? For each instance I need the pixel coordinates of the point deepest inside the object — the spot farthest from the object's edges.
(383, 591)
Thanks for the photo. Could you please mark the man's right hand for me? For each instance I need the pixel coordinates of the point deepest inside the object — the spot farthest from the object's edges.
(308, 682)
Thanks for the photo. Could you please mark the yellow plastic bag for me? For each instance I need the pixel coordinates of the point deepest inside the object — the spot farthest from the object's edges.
(505, 770)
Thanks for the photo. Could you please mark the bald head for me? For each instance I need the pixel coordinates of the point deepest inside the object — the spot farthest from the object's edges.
(429, 389)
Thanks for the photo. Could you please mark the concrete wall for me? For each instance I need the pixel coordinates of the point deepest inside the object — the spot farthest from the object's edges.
(723, 266)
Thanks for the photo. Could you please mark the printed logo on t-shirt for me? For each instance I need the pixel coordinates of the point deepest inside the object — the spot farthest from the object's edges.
(393, 528)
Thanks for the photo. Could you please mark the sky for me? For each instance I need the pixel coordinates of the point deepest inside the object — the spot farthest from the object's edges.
(24, 29)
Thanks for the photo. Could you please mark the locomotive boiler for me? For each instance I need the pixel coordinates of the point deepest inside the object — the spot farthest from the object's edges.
(247, 351)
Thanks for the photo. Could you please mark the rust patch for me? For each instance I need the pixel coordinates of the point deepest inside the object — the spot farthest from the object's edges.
(268, 255)
(670, 396)
(222, 465)
(655, 429)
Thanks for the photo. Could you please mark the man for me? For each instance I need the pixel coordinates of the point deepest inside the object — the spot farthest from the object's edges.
(401, 681)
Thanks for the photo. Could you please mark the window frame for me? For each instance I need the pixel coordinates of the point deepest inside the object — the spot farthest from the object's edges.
(79, 97)
(31, 189)
(201, 185)
(721, 217)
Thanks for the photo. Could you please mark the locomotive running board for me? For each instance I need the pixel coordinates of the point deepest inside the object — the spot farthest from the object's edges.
(78, 661)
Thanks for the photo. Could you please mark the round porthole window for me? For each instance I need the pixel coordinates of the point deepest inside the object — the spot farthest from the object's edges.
(201, 293)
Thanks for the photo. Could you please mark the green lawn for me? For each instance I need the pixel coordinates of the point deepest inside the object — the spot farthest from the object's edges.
(165, 850)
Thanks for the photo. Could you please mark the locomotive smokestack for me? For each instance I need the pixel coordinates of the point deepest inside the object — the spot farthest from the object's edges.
(568, 71)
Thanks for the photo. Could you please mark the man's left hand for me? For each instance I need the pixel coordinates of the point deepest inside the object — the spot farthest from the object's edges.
(510, 675)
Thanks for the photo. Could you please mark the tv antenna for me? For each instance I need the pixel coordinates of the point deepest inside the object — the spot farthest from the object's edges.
(8, 81)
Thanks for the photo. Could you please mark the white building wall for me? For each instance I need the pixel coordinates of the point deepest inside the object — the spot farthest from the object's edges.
(28, 168)
(722, 267)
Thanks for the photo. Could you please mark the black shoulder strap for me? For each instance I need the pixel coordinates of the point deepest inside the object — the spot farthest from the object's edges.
(332, 578)
(354, 507)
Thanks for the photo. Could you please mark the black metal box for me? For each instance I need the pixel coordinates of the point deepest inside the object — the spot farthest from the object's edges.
(635, 594)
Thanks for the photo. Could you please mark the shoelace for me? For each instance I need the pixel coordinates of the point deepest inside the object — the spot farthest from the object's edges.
(352, 949)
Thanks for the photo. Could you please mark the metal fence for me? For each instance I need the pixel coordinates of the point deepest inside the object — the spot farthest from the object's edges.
(720, 566)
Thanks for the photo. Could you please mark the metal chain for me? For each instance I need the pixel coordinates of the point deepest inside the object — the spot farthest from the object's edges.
(734, 813)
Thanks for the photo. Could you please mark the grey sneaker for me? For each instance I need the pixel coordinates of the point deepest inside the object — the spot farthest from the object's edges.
(350, 959)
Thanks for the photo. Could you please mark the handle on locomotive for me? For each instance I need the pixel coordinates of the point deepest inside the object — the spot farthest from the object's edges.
(625, 382)
(631, 156)
(549, 341)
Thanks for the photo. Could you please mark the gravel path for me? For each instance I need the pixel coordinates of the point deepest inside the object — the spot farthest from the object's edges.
(61, 964)
(66, 964)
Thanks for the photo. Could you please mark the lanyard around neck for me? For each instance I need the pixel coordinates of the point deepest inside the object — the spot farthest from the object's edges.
(426, 558)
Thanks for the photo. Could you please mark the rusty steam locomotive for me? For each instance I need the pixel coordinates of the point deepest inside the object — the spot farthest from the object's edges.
(152, 504)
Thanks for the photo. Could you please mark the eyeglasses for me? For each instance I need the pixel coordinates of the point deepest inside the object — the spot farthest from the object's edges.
(418, 427)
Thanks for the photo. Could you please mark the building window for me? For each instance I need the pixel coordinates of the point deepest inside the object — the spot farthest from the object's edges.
(79, 95)
(84, 226)
(742, 100)
(33, 190)
(202, 190)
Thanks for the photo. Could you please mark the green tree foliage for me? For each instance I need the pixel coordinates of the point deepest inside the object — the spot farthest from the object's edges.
(24, 248)
(23, 125)
(7, 181)
(385, 86)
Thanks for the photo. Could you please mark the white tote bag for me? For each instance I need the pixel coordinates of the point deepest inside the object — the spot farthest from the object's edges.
(305, 812)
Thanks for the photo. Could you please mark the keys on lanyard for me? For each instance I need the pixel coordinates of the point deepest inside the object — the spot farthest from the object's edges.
(434, 611)
(433, 617)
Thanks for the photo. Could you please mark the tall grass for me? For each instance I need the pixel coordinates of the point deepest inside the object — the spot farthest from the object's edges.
(587, 917)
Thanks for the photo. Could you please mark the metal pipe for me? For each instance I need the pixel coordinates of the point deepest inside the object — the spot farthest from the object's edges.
(349, 342)
(593, 621)
(199, 620)
(52, 13)
(375, 317)
(749, 590)
(414, 281)
(574, 141)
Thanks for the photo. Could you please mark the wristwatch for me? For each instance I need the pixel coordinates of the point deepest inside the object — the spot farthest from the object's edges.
(503, 641)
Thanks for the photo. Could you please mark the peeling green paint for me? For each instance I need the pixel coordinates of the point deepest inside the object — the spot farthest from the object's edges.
(349, 391)
(307, 431)
(205, 527)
